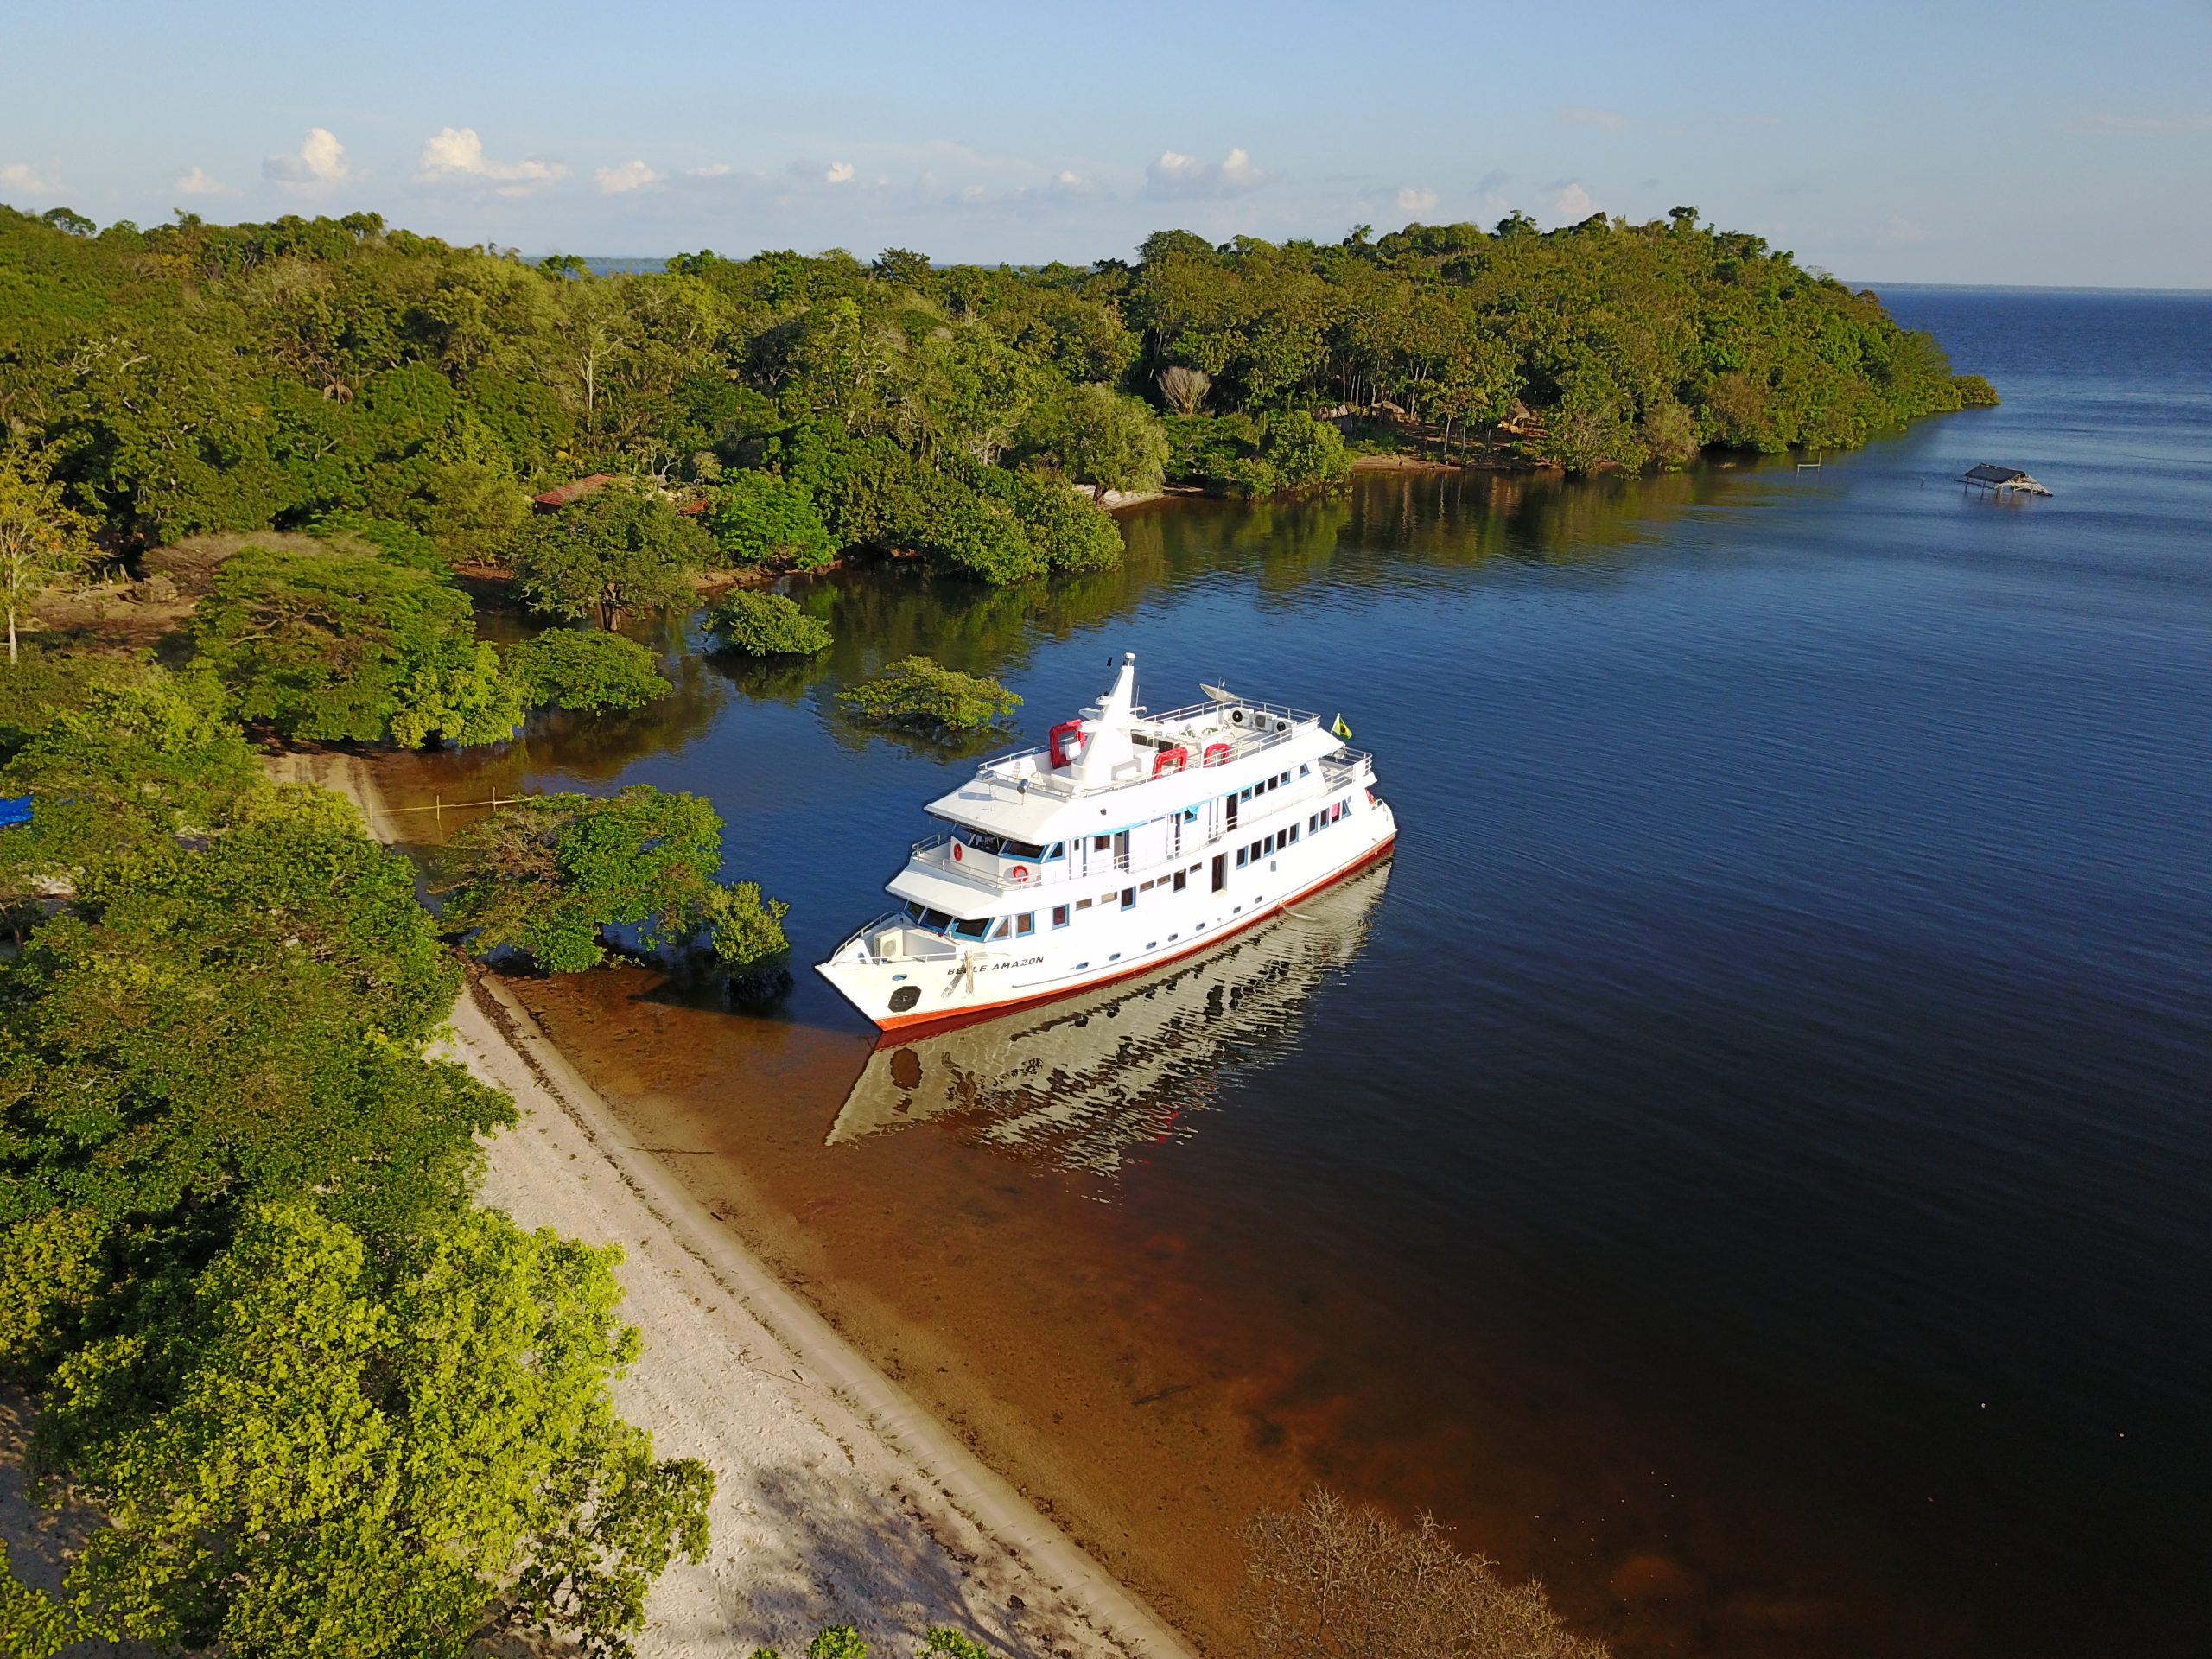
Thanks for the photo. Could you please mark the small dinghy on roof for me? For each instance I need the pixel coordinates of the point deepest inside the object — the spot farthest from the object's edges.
(2000, 480)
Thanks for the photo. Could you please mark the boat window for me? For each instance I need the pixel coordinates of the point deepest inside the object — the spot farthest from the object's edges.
(1026, 922)
(1180, 878)
(1306, 770)
(1023, 849)
(1059, 915)
(1100, 843)
(1005, 927)
(1293, 832)
(982, 841)
(1240, 858)
(1128, 898)
(913, 911)
(974, 930)
(1058, 849)
(1083, 904)
(935, 918)
(1243, 794)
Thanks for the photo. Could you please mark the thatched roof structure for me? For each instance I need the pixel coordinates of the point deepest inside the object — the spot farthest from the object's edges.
(1990, 476)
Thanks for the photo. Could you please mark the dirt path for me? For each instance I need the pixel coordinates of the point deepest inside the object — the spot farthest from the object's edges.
(838, 1500)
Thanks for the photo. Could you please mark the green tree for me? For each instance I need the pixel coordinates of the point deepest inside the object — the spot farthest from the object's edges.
(760, 518)
(553, 876)
(302, 1456)
(125, 759)
(41, 537)
(619, 549)
(1109, 441)
(923, 696)
(340, 647)
(765, 625)
(585, 673)
(1303, 450)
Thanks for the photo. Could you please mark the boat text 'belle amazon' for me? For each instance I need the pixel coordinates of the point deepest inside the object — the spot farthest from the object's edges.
(1128, 840)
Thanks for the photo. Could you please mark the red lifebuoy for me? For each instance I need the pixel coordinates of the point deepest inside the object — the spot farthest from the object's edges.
(1019, 873)
(1061, 753)
(956, 852)
(1179, 755)
(1217, 754)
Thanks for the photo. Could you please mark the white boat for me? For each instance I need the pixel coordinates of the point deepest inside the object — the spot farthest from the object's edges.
(1126, 840)
(1083, 1080)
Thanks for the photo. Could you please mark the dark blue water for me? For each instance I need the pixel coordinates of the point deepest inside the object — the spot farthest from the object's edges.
(1758, 1172)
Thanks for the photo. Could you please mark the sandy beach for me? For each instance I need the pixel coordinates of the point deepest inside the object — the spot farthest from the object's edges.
(838, 1499)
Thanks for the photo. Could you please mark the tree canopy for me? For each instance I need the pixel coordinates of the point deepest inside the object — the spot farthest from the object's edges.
(921, 695)
(585, 673)
(321, 1405)
(765, 625)
(328, 646)
(617, 550)
(551, 876)
(195, 377)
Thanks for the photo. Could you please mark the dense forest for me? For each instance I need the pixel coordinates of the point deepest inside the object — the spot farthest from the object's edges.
(197, 378)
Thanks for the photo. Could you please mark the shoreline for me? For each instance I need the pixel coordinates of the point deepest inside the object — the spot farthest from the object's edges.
(838, 1498)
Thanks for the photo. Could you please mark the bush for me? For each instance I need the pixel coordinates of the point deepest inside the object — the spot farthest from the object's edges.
(923, 696)
(584, 673)
(760, 518)
(1303, 450)
(1974, 392)
(400, 544)
(1329, 1582)
(765, 625)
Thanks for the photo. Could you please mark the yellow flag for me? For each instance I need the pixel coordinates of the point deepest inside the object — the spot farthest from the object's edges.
(1339, 728)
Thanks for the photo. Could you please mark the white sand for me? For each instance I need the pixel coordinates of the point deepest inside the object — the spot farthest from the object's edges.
(837, 1499)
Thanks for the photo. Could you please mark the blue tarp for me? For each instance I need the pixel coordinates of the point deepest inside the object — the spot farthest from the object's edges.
(14, 810)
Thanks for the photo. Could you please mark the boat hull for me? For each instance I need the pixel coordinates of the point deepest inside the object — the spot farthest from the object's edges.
(868, 985)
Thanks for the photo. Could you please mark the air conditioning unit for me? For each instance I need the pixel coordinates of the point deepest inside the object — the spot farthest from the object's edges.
(891, 944)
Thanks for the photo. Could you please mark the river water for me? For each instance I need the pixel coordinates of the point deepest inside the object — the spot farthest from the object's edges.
(1746, 1159)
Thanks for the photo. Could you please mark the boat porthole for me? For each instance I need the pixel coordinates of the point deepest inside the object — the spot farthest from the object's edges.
(904, 998)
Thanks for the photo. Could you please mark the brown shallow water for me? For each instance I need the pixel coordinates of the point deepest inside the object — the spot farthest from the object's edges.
(1148, 1377)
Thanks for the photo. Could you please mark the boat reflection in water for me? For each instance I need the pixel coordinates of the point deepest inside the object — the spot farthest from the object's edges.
(1079, 1081)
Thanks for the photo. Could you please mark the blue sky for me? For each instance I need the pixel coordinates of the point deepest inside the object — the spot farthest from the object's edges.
(2031, 143)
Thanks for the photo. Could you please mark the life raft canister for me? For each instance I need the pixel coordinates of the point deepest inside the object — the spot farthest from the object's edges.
(1062, 754)
(1217, 754)
(1179, 757)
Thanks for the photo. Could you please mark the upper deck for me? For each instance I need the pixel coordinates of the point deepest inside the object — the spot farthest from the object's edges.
(1134, 765)
(1026, 816)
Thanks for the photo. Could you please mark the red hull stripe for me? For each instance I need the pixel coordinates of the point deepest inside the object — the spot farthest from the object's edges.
(910, 1022)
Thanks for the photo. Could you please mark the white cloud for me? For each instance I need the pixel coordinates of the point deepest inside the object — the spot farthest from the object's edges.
(711, 170)
(22, 176)
(1175, 174)
(631, 175)
(1069, 182)
(456, 155)
(320, 164)
(1901, 229)
(1413, 200)
(2155, 123)
(838, 172)
(1573, 203)
(198, 182)
(1580, 115)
